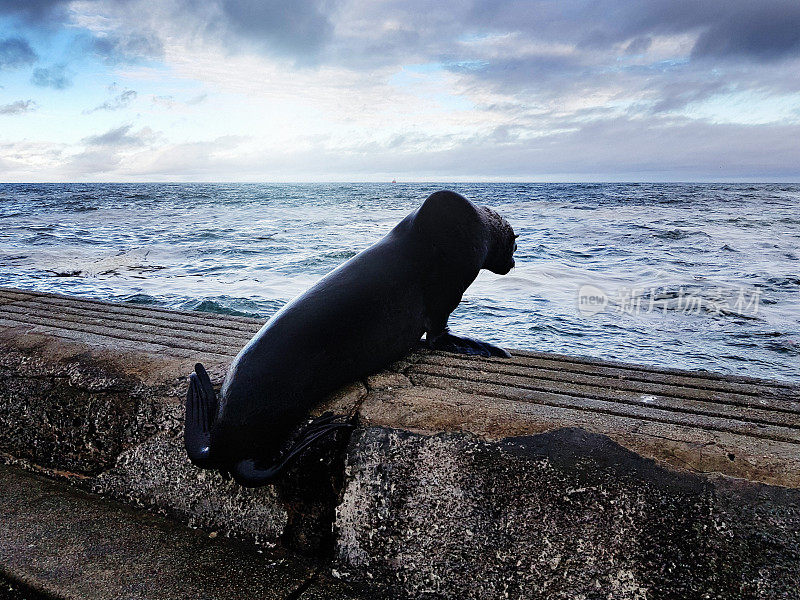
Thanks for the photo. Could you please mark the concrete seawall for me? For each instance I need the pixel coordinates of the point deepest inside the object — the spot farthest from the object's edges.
(540, 476)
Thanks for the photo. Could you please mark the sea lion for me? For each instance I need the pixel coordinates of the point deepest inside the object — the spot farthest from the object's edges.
(360, 317)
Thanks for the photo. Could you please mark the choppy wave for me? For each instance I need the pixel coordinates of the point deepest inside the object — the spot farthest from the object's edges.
(693, 276)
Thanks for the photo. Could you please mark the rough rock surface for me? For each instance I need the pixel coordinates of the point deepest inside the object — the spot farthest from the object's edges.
(156, 474)
(566, 514)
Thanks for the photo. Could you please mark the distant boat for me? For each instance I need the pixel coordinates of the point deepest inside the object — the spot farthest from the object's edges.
(394, 180)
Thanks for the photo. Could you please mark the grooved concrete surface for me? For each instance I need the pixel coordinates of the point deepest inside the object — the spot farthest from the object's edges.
(703, 422)
(439, 481)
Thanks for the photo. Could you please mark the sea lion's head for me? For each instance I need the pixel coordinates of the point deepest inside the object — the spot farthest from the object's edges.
(467, 237)
(502, 243)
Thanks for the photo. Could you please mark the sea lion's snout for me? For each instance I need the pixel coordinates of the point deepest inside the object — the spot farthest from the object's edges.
(513, 241)
(507, 269)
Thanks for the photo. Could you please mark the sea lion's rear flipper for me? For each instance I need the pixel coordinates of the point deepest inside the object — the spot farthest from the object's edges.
(448, 342)
(201, 410)
(248, 474)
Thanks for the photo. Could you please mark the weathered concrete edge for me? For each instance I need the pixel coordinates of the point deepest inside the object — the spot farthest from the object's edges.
(561, 514)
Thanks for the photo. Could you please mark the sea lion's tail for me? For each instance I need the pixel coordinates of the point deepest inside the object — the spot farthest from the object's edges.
(248, 473)
(201, 410)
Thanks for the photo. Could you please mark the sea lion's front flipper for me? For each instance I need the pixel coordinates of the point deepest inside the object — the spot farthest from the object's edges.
(201, 410)
(249, 474)
(448, 342)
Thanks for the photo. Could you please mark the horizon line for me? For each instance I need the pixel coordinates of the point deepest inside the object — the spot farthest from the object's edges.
(417, 182)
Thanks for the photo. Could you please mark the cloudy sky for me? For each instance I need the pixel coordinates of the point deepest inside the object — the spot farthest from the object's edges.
(264, 90)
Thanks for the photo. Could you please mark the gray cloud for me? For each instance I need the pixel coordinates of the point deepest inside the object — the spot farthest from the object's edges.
(130, 47)
(676, 95)
(298, 28)
(105, 152)
(767, 29)
(55, 76)
(764, 32)
(16, 52)
(119, 137)
(121, 100)
(294, 29)
(19, 107)
(638, 45)
(36, 11)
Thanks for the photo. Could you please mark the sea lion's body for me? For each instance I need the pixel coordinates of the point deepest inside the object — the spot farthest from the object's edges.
(363, 315)
(319, 342)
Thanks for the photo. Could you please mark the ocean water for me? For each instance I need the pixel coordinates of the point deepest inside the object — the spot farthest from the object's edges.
(697, 276)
